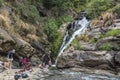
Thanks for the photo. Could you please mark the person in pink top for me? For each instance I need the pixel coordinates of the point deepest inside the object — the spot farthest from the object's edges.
(24, 61)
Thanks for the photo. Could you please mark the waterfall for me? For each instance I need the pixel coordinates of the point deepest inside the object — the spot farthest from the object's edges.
(77, 27)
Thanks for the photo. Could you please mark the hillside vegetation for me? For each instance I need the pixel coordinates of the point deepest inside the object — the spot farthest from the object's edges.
(37, 22)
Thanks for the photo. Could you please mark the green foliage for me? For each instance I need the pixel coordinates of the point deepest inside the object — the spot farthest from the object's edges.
(96, 7)
(1, 2)
(116, 9)
(63, 19)
(77, 5)
(55, 46)
(28, 12)
(51, 29)
(106, 46)
(83, 37)
(92, 40)
(75, 43)
(110, 33)
(113, 33)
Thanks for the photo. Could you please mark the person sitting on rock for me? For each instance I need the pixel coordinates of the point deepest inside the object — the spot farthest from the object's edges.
(6, 65)
(29, 67)
(70, 49)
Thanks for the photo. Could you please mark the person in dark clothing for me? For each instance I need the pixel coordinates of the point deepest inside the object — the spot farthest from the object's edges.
(46, 58)
(69, 26)
(10, 56)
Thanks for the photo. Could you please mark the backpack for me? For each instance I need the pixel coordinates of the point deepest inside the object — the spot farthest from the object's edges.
(24, 75)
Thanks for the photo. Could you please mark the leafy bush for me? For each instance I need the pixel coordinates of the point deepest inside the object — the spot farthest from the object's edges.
(75, 43)
(112, 33)
(92, 41)
(83, 37)
(50, 29)
(63, 19)
(106, 46)
(116, 9)
(28, 12)
(96, 7)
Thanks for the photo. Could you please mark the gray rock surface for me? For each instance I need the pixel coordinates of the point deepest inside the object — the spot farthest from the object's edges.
(89, 59)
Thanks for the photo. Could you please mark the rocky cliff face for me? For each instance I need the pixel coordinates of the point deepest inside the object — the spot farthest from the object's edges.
(96, 52)
(27, 39)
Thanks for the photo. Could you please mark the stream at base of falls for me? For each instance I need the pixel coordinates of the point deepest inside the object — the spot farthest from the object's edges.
(71, 75)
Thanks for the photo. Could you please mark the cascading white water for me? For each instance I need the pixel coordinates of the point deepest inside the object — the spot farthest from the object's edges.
(81, 26)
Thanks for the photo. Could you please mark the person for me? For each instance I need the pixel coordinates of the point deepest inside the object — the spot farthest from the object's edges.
(89, 28)
(113, 23)
(29, 67)
(20, 61)
(70, 49)
(41, 66)
(6, 65)
(101, 25)
(101, 22)
(24, 61)
(47, 59)
(10, 56)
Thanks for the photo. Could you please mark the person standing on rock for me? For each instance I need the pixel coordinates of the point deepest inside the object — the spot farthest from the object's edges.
(101, 25)
(10, 56)
(24, 61)
(47, 59)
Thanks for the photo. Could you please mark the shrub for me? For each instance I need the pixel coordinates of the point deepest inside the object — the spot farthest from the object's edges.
(92, 41)
(96, 7)
(75, 43)
(116, 9)
(63, 19)
(28, 12)
(83, 37)
(112, 33)
(106, 46)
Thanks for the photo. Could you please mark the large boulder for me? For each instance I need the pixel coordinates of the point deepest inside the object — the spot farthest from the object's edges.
(24, 47)
(88, 59)
(5, 40)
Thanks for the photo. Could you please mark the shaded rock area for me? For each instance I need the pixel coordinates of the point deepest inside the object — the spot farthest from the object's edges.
(103, 60)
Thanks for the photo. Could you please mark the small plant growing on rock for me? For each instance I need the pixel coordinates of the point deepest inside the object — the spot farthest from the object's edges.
(106, 46)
